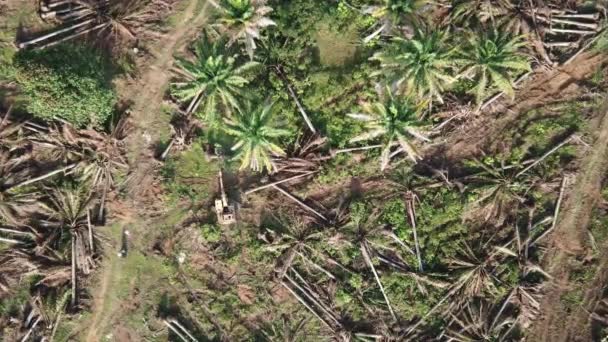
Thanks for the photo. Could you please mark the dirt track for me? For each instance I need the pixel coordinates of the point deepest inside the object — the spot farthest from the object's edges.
(569, 243)
(147, 95)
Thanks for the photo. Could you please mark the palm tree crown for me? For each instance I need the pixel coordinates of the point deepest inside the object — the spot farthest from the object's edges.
(395, 13)
(396, 120)
(256, 138)
(491, 60)
(243, 20)
(214, 79)
(420, 65)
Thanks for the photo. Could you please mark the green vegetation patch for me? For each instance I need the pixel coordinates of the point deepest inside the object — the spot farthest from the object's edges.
(190, 175)
(69, 82)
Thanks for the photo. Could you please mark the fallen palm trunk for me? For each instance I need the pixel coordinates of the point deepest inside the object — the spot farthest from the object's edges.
(250, 191)
(293, 95)
(176, 327)
(497, 96)
(370, 264)
(74, 287)
(176, 331)
(579, 32)
(312, 295)
(592, 26)
(555, 215)
(306, 305)
(544, 156)
(74, 36)
(411, 212)
(45, 176)
(299, 202)
(56, 33)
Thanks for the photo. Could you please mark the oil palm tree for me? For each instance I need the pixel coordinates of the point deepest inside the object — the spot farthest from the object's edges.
(215, 80)
(420, 66)
(491, 60)
(243, 20)
(255, 138)
(396, 121)
(393, 14)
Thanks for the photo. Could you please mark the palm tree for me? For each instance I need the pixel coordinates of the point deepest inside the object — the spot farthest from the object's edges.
(255, 138)
(515, 18)
(396, 120)
(491, 60)
(394, 14)
(243, 20)
(420, 66)
(214, 79)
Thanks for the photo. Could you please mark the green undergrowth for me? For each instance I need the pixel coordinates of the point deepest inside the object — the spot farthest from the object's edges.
(188, 175)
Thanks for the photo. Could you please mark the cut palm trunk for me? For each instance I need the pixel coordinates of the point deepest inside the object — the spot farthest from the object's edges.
(299, 202)
(293, 95)
(250, 191)
(592, 26)
(411, 212)
(544, 156)
(45, 176)
(74, 299)
(370, 264)
(55, 33)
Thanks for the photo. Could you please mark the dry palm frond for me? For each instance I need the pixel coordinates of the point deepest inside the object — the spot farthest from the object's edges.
(499, 190)
(98, 157)
(479, 321)
(306, 157)
(475, 272)
(116, 21)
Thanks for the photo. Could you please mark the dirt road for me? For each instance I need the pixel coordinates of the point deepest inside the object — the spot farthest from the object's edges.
(569, 243)
(146, 95)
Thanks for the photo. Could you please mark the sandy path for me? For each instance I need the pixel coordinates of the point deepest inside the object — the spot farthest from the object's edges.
(569, 243)
(147, 95)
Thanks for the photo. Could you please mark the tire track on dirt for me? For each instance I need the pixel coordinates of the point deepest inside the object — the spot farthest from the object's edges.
(147, 96)
(569, 243)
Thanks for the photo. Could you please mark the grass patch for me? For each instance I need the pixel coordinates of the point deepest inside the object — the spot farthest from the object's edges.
(336, 48)
(190, 176)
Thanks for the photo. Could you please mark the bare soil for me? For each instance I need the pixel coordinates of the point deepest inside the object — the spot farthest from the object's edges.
(569, 243)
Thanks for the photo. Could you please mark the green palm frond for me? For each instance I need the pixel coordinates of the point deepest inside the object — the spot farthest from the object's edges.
(255, 138)
(396, 120)
(421, 66)
(243, 20)
(213, 81)
(492, 60)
